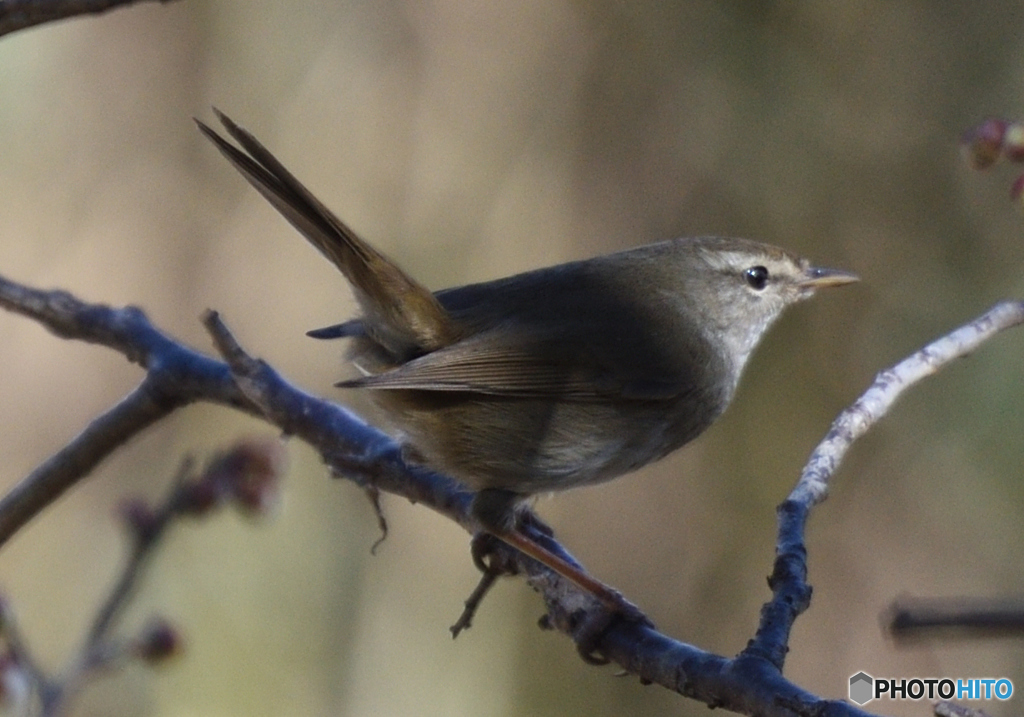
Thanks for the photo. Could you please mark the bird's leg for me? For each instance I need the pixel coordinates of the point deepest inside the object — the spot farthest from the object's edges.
(497, 512)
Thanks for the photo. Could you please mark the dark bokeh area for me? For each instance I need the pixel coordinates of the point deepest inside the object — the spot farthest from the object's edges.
(472, 140)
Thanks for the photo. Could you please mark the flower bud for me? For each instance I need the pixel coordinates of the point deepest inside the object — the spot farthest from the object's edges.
(981, 145)
(254, 467)
(159, 641)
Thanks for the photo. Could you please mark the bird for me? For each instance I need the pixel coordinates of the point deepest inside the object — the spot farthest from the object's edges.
(554, 378)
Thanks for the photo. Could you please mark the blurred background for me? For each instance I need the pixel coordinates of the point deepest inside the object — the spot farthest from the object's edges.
(472, 140)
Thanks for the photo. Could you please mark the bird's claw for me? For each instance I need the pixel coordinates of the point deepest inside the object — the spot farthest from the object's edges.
(486, 551)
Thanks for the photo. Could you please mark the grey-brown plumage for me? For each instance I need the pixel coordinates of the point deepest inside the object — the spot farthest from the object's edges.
(557, 377)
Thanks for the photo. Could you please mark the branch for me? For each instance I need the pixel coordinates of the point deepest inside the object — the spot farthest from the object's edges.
(919, 618)
(889, 385)
(790, 592)
(750, 683)
(175, 377)
(747, 684)
(246, 476)
(20, 14)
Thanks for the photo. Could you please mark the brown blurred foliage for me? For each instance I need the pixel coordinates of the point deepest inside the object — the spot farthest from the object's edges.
(471, 140)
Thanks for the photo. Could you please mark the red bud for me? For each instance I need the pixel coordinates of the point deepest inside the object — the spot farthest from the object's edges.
(982, 144)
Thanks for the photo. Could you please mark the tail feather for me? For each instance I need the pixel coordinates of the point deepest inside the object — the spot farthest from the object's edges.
(400, 314)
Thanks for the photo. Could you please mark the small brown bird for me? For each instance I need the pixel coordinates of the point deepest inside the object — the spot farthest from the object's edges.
(555, 378)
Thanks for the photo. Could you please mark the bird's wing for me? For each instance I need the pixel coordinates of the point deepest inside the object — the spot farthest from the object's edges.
(494, 363)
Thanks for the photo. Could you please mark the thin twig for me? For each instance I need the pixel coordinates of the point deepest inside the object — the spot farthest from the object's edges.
(966, 617)
(889, 385)
(142, 545)
(70, 464)
(790, 592)
(229, 478)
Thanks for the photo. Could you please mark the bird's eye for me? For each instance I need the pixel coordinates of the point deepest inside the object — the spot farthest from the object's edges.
(757, 277)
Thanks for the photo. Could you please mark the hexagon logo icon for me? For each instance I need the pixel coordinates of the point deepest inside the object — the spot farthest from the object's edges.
(861, 688)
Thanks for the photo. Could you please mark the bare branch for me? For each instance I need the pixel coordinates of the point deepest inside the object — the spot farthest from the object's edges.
(63, 469)
(918, 618)
(175, 377)
(746, 684)
(790, 592)
(750, 683)
(243, 476)
(889, 385)
(20, 14)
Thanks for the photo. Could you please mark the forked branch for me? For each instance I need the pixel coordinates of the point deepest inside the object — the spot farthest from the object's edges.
(750, 683)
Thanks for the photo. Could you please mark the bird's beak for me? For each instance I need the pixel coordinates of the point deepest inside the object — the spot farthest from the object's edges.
(817, 278)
